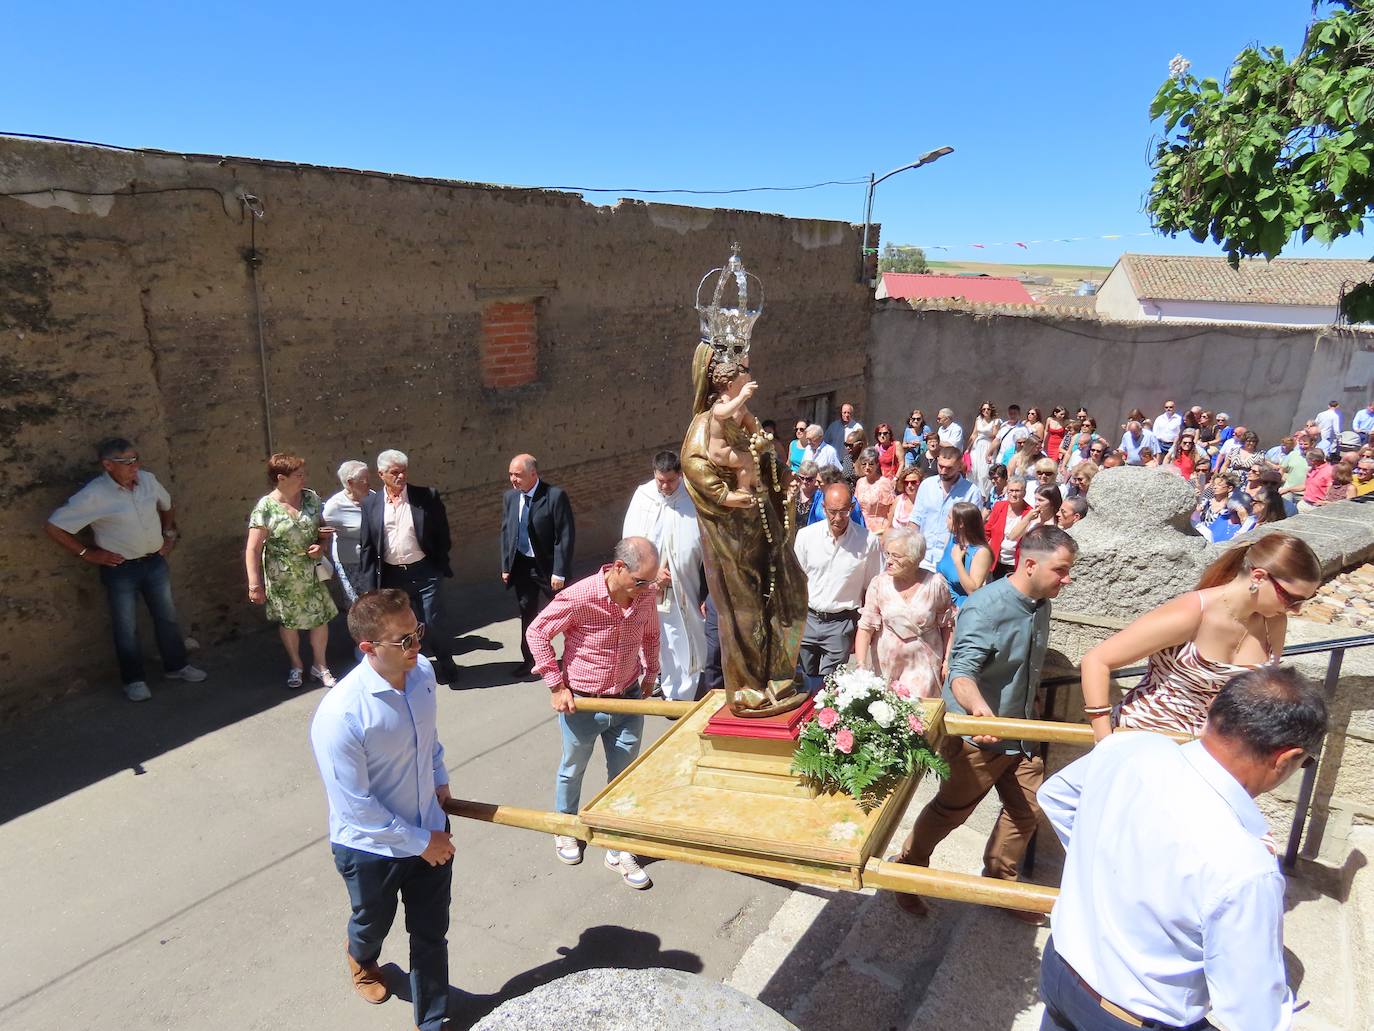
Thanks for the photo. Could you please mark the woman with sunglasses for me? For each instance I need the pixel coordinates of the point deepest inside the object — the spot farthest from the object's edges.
(889, 458)
(1082, 478)
(1236, 620)
(980, 450)
(874, 492)
(908, 482)
(796, 451)
(1035, 422)
(913, 436)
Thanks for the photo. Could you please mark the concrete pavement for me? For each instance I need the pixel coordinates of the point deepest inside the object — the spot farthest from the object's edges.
(166, 865)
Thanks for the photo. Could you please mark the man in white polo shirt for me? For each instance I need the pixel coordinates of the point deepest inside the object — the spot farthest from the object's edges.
(1166, 427)
(131, 521)
(840, 559)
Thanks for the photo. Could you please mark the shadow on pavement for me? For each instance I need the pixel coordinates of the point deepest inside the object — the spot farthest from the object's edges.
(82, 739)
(603, 946)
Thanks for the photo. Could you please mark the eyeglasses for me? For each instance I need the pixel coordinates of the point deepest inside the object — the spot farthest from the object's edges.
(1095, 451)
(1045, 472)
(406, 643)
(801, 429)
(131, 460)
(1287, 598)
(884, 433)
(1168, 408)
(910, 485)
(807, 479)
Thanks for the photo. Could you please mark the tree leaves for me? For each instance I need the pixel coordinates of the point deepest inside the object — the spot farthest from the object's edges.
(1281, 148)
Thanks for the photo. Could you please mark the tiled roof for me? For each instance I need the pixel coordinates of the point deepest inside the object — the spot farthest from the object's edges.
(1171, 277)
(986, 289)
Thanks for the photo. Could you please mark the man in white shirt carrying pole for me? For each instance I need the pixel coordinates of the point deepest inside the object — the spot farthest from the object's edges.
(1170, 913)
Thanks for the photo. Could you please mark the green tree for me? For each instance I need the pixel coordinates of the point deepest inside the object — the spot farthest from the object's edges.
(1280, 148)
(900, 258)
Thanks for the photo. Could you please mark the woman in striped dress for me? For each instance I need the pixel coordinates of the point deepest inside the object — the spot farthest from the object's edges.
(1236, 620)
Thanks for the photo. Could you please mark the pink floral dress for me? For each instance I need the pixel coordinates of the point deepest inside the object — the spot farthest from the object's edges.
(873, 496)
(910, 631)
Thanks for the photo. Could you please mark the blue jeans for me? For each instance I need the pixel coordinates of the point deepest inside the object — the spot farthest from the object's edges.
(620, 736)
(374, 883)
(150, 577)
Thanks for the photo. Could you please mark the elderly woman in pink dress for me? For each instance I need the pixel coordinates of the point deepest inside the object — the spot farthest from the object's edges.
(874, 492)
(908, 618)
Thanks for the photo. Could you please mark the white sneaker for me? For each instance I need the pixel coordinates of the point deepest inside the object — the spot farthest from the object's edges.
(567, 849)
(137, 691)
(322, 674)
(628, 867)
(187, 673)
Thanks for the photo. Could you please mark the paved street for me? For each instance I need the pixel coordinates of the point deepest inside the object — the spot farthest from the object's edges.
(166, 864)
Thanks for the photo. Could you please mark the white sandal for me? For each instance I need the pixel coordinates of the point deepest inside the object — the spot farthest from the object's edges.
(322, 674)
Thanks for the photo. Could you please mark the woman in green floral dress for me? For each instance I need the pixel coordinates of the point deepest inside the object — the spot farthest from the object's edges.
(286, 539)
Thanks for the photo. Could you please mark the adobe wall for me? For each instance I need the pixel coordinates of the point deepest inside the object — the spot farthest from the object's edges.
(1268, 378)
(393, 315)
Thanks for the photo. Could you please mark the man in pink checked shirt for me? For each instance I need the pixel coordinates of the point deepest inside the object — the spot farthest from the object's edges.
(609, 623)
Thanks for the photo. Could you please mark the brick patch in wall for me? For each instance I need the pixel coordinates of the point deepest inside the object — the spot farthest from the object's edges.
(510, 337)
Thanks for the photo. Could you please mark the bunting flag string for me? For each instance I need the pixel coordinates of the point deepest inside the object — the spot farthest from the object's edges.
(1025, 245)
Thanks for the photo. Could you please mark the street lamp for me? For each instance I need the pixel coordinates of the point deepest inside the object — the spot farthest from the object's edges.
(924, 159)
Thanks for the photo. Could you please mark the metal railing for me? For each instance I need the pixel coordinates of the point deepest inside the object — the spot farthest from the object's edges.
(1336, 646)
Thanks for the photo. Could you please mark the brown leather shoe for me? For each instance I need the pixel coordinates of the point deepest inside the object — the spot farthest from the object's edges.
(368, 980)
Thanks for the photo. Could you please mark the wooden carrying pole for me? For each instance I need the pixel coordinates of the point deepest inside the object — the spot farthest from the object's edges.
(634, 706)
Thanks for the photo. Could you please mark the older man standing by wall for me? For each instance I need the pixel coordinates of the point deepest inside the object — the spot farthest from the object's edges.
(936, 496)
(839, 430)
(840, 559)
(537, 537)
(609, 625)
(819, 450)
(951, 434)
(994, 670)
(134, 529)
(1171, 908)
(662, 512)
(1166, 427)
(404, 543)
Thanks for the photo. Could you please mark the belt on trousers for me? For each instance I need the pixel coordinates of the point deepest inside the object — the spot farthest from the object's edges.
(834, 617)
(403, 566)
(1123, 1014)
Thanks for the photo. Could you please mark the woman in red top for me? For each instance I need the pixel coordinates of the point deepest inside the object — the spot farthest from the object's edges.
(1004, 512)
(1185, 456)
(889, 457)
(1054, 431)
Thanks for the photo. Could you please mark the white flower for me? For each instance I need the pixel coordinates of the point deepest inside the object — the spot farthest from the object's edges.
(882, 713)
(1179, 66)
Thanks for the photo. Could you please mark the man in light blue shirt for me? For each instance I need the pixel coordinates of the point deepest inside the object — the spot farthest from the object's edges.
(1135, 439)
(818, 449)
(1363, 423)
(936, 496)
(379, 755)
(1171, 908)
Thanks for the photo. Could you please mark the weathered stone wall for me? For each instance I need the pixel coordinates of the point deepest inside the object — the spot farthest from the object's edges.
(1270, 379)
(393, 315)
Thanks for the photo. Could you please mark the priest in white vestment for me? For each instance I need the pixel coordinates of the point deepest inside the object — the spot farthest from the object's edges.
(662, 511)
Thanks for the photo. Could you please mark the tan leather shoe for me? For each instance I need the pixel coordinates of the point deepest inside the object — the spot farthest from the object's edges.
(368, 980)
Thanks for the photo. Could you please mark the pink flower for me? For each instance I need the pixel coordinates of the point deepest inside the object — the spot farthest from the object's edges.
(844, 740)
(914, 722)
(901, 690)
(827, 718)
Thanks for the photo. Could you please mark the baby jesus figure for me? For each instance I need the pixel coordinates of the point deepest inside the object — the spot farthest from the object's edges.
(732, 424)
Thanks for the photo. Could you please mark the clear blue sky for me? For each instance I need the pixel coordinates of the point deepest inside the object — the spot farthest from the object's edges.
(1046, 105)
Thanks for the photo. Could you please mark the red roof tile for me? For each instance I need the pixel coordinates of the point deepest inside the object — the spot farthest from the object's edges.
(982, 289)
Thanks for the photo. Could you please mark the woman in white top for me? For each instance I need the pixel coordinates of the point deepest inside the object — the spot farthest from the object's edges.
(985, 428)
(344, 513)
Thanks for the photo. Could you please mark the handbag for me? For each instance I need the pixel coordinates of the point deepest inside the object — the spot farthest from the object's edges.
(324, 569)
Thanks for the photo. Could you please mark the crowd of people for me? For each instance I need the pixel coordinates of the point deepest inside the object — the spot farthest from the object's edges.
(932, 559)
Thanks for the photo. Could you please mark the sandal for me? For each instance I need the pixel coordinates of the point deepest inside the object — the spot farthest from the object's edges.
(295, 679)
(322, 674)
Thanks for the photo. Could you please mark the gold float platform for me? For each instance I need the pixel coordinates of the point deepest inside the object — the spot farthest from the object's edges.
(732, 803)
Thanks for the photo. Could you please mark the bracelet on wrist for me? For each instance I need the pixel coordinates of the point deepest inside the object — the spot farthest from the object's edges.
(82, 553)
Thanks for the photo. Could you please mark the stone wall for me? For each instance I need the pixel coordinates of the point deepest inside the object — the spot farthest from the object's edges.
(1269, 378)
(460, 323)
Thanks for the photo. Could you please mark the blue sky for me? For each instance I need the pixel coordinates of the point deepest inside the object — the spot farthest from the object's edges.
(1046, 105)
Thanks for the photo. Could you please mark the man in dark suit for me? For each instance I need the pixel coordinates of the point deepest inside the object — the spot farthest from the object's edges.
(536, 545)
(404, 543)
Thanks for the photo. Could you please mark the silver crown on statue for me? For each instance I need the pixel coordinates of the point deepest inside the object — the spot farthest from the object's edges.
(727, 329)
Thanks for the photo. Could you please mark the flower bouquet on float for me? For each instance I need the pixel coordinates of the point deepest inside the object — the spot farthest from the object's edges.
(863, 737)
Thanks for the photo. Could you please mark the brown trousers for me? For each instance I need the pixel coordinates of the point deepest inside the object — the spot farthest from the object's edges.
(973, 772)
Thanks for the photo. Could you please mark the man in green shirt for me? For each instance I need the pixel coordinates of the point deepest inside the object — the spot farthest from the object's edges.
(1294, 465)
(994, 670)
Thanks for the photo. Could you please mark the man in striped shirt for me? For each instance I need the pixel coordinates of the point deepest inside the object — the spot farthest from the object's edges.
(609, 625)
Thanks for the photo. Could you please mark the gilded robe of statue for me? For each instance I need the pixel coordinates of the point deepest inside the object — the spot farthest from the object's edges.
(758, 588)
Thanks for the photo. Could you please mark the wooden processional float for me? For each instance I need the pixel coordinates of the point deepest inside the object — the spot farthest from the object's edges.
(714, 792)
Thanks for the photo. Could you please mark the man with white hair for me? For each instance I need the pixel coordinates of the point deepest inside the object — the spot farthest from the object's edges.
(951, 434)
(819, 450)
(404, 543)
(344, 514)
(662, 512)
